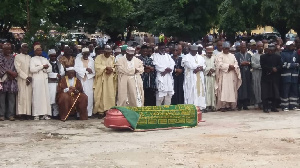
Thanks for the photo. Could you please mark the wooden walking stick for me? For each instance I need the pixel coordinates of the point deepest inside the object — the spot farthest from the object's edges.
(71, 108)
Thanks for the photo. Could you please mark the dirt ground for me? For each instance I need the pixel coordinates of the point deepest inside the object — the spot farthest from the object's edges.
(232, 139)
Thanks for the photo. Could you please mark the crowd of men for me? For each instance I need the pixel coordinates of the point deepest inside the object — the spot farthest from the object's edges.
(93, 80)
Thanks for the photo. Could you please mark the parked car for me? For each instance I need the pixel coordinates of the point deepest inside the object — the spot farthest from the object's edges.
(271, 35)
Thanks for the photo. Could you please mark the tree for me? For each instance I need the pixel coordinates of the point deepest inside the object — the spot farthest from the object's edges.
(291, 9)
(8, 18)
(186, 19)
(277, 13)
(239, 16)
(106, 15)
(248, 14)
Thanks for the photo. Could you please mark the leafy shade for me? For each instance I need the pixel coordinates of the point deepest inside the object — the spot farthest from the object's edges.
(186, 19)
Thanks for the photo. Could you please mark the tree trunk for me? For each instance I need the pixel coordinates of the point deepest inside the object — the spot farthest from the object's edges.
(282, 29)
(282, 34)
(230, 37)
(28, 15)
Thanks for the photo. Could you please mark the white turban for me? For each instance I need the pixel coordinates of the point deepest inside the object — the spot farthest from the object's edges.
(70, 69)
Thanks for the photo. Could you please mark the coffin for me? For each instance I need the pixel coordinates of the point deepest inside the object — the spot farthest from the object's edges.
(116, 120)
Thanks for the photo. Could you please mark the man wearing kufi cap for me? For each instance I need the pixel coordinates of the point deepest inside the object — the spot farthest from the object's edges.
(228, 79)
(85, 69)
(245, 92)
(118, 54)
(38, 44)
(9, 83)
(22, 64)
(123, 52)
(237, 47)
(70, 93)
(105, 82)
(210, 79)
(194, 83)
(289, 77)
(53, 78)
(271, 68)
(130, 84)
(200, 50)
(256, 74)
(164, 66)
(253, 47)
(40, 67)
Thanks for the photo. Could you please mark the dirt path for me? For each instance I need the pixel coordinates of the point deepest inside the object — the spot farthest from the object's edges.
(235, 139)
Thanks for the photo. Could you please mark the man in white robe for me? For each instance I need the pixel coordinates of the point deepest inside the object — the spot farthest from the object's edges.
(22, 64)
(194, 83)
(40, 67)
(210, 77)
(228, 79)
(53, 79)
(164, 66)
(130, 84)
(85, 69)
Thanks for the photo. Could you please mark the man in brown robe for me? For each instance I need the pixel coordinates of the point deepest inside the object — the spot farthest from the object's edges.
(70, 95)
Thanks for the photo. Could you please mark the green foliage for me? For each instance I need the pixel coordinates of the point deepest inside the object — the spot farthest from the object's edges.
(14, 12)
(186, 19)
(48, 35)
(182, 18)
(90, 14)
(244, 15)
(239, 15)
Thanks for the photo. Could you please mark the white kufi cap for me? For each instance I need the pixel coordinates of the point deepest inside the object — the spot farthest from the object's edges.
(85, 50)
(51, 51)
(130, 50)
(289, 43)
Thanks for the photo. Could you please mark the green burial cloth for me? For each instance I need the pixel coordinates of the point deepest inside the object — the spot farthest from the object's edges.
(153, 117)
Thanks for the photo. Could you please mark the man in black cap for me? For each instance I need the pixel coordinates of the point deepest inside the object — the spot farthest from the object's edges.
(271, 67)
